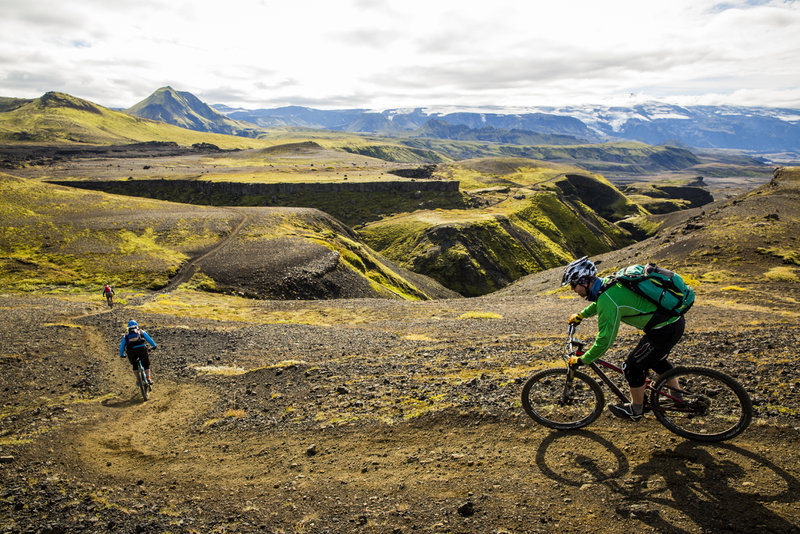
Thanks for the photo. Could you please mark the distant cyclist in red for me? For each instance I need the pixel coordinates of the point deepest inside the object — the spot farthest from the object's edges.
(108, 293)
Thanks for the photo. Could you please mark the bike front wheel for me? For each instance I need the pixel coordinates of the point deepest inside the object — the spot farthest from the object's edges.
(550, 398)
(709, 405)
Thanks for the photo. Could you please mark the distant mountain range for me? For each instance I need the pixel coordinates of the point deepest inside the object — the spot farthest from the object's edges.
(756, 130)
(773, 133)
(752, 129)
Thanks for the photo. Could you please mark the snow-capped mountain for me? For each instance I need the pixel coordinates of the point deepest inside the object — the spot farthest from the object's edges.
(752, 129)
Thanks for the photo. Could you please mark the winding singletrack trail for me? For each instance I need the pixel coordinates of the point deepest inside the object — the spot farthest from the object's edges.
(188, 269)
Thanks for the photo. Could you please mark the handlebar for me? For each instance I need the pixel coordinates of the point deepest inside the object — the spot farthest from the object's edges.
(572, 343)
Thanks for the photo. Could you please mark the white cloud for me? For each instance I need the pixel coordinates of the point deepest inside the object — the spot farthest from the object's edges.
(372, 53)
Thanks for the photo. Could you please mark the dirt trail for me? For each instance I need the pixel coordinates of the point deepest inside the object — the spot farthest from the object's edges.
(188, 269)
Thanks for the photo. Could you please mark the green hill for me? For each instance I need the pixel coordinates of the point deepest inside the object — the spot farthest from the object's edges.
(625, 158)
(531, 216)
(56, 238)
(60, 118)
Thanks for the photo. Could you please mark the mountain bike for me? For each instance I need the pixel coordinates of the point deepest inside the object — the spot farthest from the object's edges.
(145, 385)
(110, 300)
(708, 406)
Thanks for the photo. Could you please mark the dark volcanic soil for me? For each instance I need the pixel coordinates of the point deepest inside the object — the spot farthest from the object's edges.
(409, 421)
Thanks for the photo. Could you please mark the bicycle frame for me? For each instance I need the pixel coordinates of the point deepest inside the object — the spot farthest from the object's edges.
(575, 346)
(694, 402)
(595, 366)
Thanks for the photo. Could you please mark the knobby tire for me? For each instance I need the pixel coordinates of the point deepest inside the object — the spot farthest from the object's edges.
(544, 399)
(714, 407)
(144, 386)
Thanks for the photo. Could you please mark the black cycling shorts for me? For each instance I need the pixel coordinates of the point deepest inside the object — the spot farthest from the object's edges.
(139, 353)
(652, 352)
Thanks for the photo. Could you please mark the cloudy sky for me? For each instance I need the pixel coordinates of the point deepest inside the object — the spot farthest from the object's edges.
(401, 53)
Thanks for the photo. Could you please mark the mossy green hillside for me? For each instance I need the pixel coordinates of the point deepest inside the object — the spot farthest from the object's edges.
(623, 157)
(659, 205)
(61, 118)
(481, 173)
(389, 151)
(599, 194)
(591, 189)
(57, 236)
(501, 179)
(477, 252)
(321, 229)
(666, 196)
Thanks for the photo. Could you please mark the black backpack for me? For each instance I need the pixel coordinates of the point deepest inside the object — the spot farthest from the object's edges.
(134, 339)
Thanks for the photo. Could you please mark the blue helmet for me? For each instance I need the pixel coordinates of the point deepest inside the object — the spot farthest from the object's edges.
(132, 323)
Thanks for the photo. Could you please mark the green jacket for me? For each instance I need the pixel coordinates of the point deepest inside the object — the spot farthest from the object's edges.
(615, 305)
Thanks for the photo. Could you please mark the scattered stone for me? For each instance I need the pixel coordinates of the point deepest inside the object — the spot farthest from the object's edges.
(467, 509)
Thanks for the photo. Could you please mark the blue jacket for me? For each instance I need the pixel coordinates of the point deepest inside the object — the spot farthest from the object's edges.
(124, 342)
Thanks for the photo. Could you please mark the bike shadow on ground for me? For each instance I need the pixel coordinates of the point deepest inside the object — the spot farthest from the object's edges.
(569, 457)
(134, 400)
(714, 486)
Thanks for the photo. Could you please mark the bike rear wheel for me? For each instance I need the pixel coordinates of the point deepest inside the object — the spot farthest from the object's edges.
(144, 385)
(553, 401)
(711, 405)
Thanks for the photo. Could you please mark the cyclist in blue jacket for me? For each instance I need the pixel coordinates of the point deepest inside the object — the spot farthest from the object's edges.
(134, 342)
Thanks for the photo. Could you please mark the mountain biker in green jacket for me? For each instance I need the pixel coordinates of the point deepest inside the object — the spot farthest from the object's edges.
(615, 305)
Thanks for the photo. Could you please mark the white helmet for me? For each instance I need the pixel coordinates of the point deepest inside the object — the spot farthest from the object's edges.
(578, 269)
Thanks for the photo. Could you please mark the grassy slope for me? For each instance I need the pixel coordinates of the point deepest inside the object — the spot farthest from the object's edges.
(619, 157)
(476, 253)
(532, 228)
(60, 118)
(56, 237)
